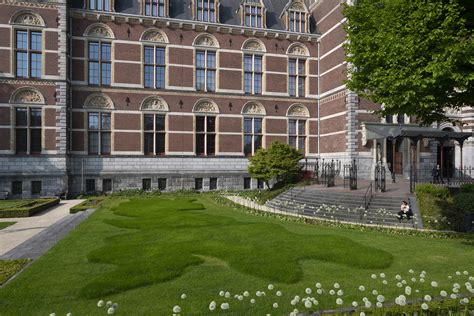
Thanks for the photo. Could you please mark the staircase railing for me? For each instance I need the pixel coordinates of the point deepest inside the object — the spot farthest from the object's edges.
(368, 196)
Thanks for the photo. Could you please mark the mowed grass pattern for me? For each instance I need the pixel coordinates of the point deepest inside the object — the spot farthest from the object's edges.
(172, 235)
(146, 252)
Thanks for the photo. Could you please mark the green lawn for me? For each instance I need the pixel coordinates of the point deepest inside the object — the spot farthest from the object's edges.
(144, 253)
(5, 204)
(6, 224)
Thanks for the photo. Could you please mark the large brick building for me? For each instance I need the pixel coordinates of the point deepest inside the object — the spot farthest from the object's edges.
(112, 94)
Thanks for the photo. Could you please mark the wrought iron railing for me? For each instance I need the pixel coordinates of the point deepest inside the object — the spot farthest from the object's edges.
(452, 177)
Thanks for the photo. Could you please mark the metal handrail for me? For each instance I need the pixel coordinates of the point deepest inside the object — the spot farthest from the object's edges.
(367, 197)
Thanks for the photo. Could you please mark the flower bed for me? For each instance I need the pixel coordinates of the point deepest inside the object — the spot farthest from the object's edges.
(29, 208)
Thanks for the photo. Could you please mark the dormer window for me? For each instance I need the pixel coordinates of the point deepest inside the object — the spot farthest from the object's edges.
(99, 5)
(253, 13)
(206, 10)
(296, 16)
(156, 8)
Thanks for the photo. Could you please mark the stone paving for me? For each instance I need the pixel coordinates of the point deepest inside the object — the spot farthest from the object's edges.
(32, 236)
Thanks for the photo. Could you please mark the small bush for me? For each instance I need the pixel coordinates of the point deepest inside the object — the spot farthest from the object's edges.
(436, 191)
(135, 193)
(467, 188)
(92, 202)
(29, 209)
(9, 268)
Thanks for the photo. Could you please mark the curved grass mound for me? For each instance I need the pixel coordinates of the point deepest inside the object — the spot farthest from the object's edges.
(170, 235)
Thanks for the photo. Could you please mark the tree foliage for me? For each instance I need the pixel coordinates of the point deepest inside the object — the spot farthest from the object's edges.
(414, 56)
(279, 161)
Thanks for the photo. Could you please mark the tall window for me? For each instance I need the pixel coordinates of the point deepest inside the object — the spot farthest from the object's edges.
(206, 10)
(253, 15)
(99, 133)
(253, 74)
(154, 134)
(155, 7)
(99, 63)
(99, 5)
(297, 134)
(205, 71)
(28, 55)
(205, 135)
(154, 67)
(297, 77)
(297, 21)
(28, 130)
(252, 135)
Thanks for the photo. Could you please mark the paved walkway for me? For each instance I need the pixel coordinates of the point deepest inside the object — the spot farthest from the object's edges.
(38, 232)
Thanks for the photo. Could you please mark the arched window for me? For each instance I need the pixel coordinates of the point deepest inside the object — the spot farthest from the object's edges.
(99, 123)
(99, 54)
(253, 65)
(154, 125)
(297, 55)
(154, 58)
(206, 62)
(206, 112)
(253, 113)
(297, 117)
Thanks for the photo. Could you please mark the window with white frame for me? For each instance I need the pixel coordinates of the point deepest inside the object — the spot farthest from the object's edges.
(99, 133)
(253, 135)
(99, 63)
(205, 70)
(154, 134)
(297, 21)
(154, 67)
(206, 10)
(155, 8)
(28, 130)
(253, 74)
(205, 135)
(99, 5)
(296, 77)
(253, 14)
(297, 134)
(28, 53)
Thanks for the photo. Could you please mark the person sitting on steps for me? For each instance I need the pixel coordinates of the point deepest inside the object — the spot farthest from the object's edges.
(405, 210)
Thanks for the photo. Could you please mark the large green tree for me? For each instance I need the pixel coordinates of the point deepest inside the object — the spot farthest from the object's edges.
(414, 56)
(280, 162)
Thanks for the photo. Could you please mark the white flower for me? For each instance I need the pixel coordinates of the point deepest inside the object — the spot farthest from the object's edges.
(373, 276)
(270, 287)
(224, 306)
(183, 296)
(404, 282)
(423, 272)
(332, 292)
(246, 293)
(339, 301)
(308, 304)
(413, 279)
(308, 291)
(398, 277)
(465, 300)
(382, 275)
(368, 304)
(275, 305)
(340, 293)
(362, 314)
(374, 292)
(258, 293)
(108, 304)
(453, 296)
(252, 301)
(456, 285)
(399, 284)
(336, 285)
(293, 302)
(111, 310)
(362, 288)
(384, 282)
(52, 314)
(318, 285)
(221, 293)
(408, 290)
(355, 304)
(297, 298)
(364, 299)
(319, 291)
(465, 273)
(278, 293)
(434, 284)
(411, 271)
(69, 314)
(424, 306)
(427, 298)
(443, 293)
(227, 294)
(212, 305)
(315, 301)
(458, 273)
(240, 298)
(471, 278)
(379, 305)
(176, 309)
(455, 290)
(422, 280)
(100, 303)
(380, 298)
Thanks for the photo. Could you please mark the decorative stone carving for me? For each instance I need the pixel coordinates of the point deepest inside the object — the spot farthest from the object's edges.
(29, 19)
(205, 40)
(98, 101)
(298, 110)
(253, 44)
(154, 104)
(297, 6)
(206, 106)
(27, 96)
(99, 30)
(298, 50)
(154, 36)
(253, 109)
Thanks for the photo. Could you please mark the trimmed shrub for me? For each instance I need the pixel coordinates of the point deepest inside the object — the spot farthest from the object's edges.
(436, 191)
(29, 209)
(92, 202)
(467, 188)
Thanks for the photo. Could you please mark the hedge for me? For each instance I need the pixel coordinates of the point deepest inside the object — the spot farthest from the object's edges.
(92, 202)
(29, 208)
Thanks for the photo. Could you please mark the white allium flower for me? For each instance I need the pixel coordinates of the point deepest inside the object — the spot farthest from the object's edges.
(380, 298)
(258, 293)
(111, 310)
(318, 285)
(221, 293)
(100, 303)
(319, 291)
(382, 275)
(413, 279)
(293, 302)
(275, 305)
(458, 273)
(240, 298)
(176, 309)
(368, 304)
(408, 290)
(434, 284)
(332, 292)
(456, 285)
(384, 282)
(69, 314)
(373, 276)
(339, 301)
(183, 296)
(246, 293)
(308, 304)
(336, 285)
(375, 292)
(108, 304)
(252, 301)
(398, 277)
(471, 278)
(227, 294)
(404, 282)
(455, 290)
(465, 273)
(297, 298)
(399, 284)
(465, 300)
(308, 290)
(411, 271)
(362, 288)
(427, 298)
(423, 272)
(270, 287)
(314, 301)
(443, 293)
(212, 305)
(355, 304)
(417, 291)
(278, 293)
(52, 314)
(453, 296)
(224, 306)
(422, 280)
(364, 299)
(362, 314)
(340, 293)
(424, 306)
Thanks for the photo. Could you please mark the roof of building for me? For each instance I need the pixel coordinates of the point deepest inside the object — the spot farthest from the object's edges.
(228, 11)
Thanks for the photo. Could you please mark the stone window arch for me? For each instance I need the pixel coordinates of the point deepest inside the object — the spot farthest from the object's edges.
(154, 103)
(99, 30)
(27, 95)
(297, 49)
(99, 101)
(295, 16)
(205, 127)
(254, 44)
(297, 128)
(27, 18)
(297, 110)
(205, 106)
(206, 40)
(154, 35)
(254, 108)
